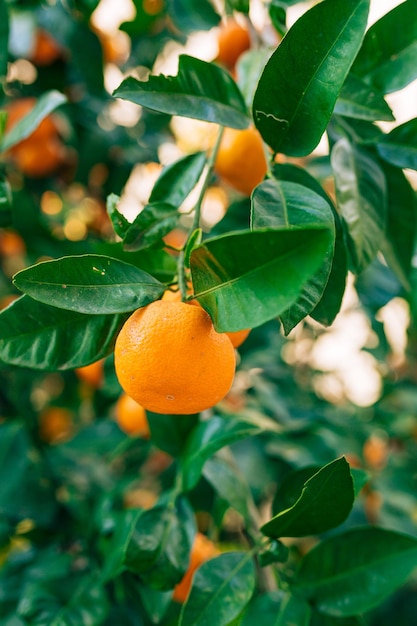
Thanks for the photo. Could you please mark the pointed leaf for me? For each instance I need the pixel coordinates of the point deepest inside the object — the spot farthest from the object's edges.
(36, 335)
(280, 203)
(221, 589)
(357, 99)
(389, 62)
(229, 484)
(239, 278)
(399, 147)
(201, 90)
(120, 223)
(150, 226)
(89, 283)
(178, 179)
(25, 127)
(324, 503)
(206, 439)
(300, 78)
(361, 196)
(351, 573)
(4, 39)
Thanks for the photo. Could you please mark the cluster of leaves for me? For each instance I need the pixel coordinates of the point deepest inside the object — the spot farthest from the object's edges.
(74, 552)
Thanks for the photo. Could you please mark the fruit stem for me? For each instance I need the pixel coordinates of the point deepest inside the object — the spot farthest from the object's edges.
(182, 282)
(209, 171)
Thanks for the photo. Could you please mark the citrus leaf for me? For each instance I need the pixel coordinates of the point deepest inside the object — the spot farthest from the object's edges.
(229, 484)
(325, 501)
(386, 62)
(4, 38)
(201, 90)
(263, 609)
(221, 589)
(120, 223)
(89, 283)
(30, 122)
(239, 278)
(351, 573)
(399, 147)
(36, 335)
(293, 610)
(206, 439)
(357, 99)
(300, 78)
(191, 15)
(283, 203)
(361, 197)
(5, 203)
(150, 226)
(178, 179)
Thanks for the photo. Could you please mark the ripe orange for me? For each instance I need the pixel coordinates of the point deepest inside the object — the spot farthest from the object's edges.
(241, 160)
(233, 39)
(92, 374)
(203, 549)
(21, 107)
(11, 244)
(46, 49)
(55, 424)
(238, 337)
(131, 417)
(169, 358)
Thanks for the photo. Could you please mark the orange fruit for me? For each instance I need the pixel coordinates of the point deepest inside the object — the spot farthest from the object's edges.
(11, 243)
(92, 374)
(238, 337)
(203, 549)
(131, 417)
(241, 160)
(46, 49)
(170, 359)
(375, 452)
(21, 107)
(233, 39)
(55, 424)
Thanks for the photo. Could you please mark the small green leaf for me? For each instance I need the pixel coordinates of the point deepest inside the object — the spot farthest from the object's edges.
(306, 73)
(150, 226)
(120, 223)
(201, 90)
(169, 433)
(350, 573)
(324, 503)
(206, 439)
(222, 587)
(239, 278)
(89, 283)
(192, 15)
(361, 197)
(4, 38)
(399, 147)
(178, 179)
(25, 127)
(229, 484)
(193, 241)
(36, 335)
(388, 62)
(159, 546)
(359, 100)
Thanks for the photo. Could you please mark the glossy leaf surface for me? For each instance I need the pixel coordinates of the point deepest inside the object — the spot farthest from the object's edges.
(89, 284)
(200, 90)
(306, 74)
(192, 15)
(178, 179)
(359, 100)
(399, 147)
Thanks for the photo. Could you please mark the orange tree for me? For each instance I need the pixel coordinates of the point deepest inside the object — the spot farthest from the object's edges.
(282, 503)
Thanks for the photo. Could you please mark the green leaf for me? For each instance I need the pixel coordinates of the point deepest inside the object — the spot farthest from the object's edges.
(401, 228)
(293, 611)
(89, 283)
(229, 484)
(206, 439)
(170, 433)
(263, 609)
(159, 546)
(239, 278)
(178, 179)
(221, 589)
(120, 223)
(386, 61)
(351, 573)
(150, 226)
(306, 74)
(286, 204)
(5, 203)
(192, 242)
(325, 502)
(249, 68)
(361, 197)
(318, 619)
(192, 15)
(360, 477)
(359, 100)
(30, 122)
(4, 38)
(201, 90)
(156, 603)
(36, 335)
(399, 147)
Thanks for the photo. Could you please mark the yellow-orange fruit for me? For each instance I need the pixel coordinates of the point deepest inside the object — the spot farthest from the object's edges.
(55, 424)
(170, 359)
(203, 550)
(233, 39)
(131, 417)
(92, 374)
(238, 337)
(46, 49)
(241, 160)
